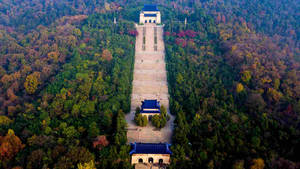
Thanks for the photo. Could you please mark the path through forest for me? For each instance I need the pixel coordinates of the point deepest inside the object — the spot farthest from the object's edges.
(149, 82)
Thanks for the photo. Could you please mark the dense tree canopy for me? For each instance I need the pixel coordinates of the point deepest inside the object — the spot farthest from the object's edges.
(235, 84)
(64, 87)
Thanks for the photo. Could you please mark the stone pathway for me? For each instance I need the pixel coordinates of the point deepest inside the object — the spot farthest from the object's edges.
(149, 82)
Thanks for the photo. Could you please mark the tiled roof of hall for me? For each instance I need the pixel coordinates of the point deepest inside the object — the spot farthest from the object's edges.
(150, 104)
(150, 8)
(150, 148)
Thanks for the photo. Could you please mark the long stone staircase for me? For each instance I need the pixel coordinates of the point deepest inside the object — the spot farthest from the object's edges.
(150, 77)
(149, 82)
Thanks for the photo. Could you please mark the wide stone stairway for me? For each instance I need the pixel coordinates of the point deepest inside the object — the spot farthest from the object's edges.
(149, 82)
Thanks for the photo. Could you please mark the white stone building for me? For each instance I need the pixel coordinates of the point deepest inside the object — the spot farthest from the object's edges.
(150, 14)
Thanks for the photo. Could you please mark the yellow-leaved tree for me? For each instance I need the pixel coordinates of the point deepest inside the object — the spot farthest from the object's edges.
(32, 82)
(239, 88)
(4, 120)
(89, 165)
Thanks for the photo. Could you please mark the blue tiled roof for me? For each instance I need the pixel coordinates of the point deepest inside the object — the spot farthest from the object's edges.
(150, 15)
(150, 8)
(150, 148)
(150, 104)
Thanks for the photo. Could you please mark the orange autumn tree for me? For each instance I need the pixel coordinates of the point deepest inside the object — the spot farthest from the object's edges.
(53, 56)
(258, 164)
(106, 55)
(10, 145)
(100, 142)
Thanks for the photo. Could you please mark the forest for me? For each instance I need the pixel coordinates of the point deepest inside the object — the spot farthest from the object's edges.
(235, 89)
(233, 73)
(65, 88)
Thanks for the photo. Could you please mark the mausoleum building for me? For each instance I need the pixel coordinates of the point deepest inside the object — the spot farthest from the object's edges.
(150, 14)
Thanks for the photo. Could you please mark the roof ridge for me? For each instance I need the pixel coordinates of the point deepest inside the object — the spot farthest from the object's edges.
(150, 148)
(150, 7)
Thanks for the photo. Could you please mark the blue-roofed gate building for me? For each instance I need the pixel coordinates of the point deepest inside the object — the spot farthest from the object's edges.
(156, 153)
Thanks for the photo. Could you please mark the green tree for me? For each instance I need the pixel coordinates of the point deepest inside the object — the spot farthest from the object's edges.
(141, 120)
(156, 121)
(144, 121)
(160, 121)
(255, 141)
(77, 32)
(238, 164)
(137, 110)
(121, 129)
(4, 120)
(246, 76)
(93, 130)
(70, 132)
(75, 155)
(179, 78)
(181, 130)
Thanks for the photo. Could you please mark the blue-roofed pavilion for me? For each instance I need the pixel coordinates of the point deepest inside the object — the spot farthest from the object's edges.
(150, 106)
